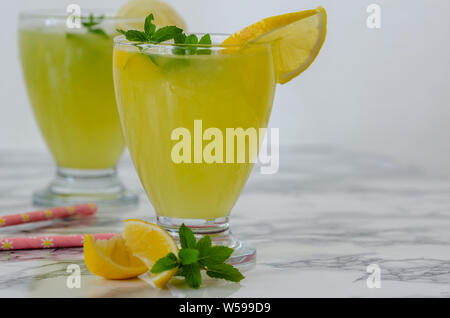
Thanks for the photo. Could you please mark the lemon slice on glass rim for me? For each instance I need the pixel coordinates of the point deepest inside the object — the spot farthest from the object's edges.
(297, 39)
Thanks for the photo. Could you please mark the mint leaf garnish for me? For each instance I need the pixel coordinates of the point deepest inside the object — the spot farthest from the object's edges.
(164, 264)
(187, 238)
(180, 38)
(206, 39)
(224, 271)
(191, 39)
(188, 256)
(91, 24)
(203, 245)
(149, 27)
(134, 35)
(196, 256)
(99, 32)
(186, 44)
(216, 255)
(92, 21)
(192, 275)
(210, 255)
(180, 272)
(166, 33)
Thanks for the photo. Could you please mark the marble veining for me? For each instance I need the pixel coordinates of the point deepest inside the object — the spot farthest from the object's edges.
(317, 224)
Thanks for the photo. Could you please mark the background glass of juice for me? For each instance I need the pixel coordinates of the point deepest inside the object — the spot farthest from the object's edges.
(158, 91)
(68, 75)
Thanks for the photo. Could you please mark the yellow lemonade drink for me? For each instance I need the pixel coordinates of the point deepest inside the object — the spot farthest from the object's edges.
(158, 92)
(67, 68)
(172, 87)
(70, 86)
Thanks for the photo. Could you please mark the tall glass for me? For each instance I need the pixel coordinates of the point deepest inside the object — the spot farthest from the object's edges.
(68, 75)
(163, 93)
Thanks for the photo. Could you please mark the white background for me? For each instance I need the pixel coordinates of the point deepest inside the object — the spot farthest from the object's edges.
(384, 91)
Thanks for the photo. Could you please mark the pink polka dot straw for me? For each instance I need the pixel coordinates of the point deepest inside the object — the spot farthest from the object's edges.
(48, 241)
(49, 214)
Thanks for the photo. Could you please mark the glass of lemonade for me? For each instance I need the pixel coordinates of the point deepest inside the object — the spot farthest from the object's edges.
(68, 75)
(159, 92)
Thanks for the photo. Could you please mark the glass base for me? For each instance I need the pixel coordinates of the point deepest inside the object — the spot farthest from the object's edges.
(73, 186)
(243, 257)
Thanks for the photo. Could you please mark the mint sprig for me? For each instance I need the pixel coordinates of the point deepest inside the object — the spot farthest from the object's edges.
(150, 33)
(195, 256)
(91, 23)
(168, 262)
(186, 44)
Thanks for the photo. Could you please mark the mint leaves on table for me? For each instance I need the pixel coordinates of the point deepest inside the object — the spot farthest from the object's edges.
(188, 44)
(195, 256)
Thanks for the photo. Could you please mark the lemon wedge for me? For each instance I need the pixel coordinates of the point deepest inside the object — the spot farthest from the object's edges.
(111, 259)
(150, 242)
(297, 39)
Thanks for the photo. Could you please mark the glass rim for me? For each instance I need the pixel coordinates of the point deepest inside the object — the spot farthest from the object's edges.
(61, 14)
(121, 40)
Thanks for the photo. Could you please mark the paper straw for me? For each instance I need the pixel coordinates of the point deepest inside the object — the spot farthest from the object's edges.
(48, 241)
(44, 215)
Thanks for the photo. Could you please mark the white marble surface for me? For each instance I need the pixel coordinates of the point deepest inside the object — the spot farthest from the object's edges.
(316, 225)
